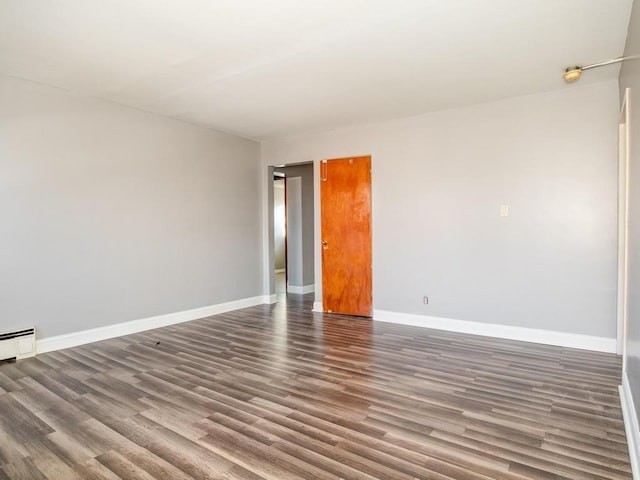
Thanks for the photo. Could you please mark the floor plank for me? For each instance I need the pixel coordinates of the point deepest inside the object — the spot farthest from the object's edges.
(279, 392)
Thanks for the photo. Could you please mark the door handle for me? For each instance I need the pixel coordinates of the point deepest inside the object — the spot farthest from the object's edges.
(325, 244)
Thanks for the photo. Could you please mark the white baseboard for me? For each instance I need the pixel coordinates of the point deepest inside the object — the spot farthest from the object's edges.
(270, 299)
(317, 307)
(630, 425)
(301, 290)
(82, 337)
(548, 337)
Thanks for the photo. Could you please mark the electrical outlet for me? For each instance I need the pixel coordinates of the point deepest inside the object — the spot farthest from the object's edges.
(425, 300)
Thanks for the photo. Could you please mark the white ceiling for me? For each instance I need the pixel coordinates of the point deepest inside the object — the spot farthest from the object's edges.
(268, 68)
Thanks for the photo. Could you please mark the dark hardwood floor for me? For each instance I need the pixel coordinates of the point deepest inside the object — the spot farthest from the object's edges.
(277, 392)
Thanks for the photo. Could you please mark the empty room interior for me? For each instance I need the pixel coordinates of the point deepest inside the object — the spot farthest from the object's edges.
(338, 239)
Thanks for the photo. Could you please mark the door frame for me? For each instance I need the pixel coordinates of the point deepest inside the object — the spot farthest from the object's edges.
(268, 260)
(623, 226)
(268, 255)
(282, 177)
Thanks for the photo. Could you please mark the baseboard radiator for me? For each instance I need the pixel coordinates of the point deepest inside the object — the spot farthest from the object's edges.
(18, 344)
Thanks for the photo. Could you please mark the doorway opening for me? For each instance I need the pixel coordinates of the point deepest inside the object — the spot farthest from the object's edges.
(280, 232)
(293, 241)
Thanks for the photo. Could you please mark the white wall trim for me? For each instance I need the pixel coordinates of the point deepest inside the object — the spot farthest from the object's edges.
(548, 337)
(301, 290)
(317, 307)
(270, 299)
(82, 337)
(630, 426)
(623, 223)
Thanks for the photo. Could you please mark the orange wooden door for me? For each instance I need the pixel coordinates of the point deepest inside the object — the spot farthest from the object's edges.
(345, 200)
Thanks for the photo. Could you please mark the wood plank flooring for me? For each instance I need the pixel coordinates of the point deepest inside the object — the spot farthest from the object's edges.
(278, 392)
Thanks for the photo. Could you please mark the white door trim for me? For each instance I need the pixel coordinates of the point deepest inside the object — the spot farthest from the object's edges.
(623, 224)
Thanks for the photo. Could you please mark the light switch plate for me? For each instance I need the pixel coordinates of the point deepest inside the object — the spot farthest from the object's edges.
(504, 210)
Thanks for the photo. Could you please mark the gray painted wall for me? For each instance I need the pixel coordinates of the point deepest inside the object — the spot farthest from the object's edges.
(294, 232)
(438, 181)
(305, 172)
(109, 214)
(630, 78)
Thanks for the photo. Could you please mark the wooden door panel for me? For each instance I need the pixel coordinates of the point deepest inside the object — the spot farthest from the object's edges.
(345, 198)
